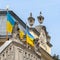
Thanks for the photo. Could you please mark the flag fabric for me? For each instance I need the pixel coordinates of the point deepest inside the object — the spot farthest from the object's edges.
(21, 34)
(10, 22)
(29, 38)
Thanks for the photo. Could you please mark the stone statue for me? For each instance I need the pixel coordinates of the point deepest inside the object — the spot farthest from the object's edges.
(36, 43)
(15, 31)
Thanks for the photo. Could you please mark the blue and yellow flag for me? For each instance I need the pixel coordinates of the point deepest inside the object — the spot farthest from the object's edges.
(10, 22)
(29, 38)
(21, 34)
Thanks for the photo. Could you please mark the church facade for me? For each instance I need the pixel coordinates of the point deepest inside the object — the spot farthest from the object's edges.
(17, 49)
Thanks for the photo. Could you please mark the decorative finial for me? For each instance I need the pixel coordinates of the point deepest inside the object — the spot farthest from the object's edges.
(40, 12)
(30, 14)
(7, 7)
(40, 18)
(31, 20)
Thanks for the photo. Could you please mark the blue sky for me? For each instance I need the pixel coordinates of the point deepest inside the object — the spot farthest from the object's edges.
(50, 10)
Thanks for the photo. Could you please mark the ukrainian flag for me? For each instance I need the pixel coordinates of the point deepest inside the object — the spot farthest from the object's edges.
(21, 34)
(10, 22)
(29, 38)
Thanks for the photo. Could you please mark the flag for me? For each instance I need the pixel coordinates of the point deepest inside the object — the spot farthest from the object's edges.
(29, 38)
(10, 22)
(21, 34)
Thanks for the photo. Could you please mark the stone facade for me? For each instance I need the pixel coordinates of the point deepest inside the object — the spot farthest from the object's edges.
(15, 51)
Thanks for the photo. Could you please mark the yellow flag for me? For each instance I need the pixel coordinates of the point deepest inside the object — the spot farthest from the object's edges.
(29, 40)
(10, 22)
(9, 27)
(21, 34)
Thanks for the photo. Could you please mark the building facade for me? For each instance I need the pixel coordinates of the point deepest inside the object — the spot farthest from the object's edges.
(17, 49)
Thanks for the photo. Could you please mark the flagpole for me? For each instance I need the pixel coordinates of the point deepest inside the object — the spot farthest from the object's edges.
(6, 28)
(6, 35)
(26, 33)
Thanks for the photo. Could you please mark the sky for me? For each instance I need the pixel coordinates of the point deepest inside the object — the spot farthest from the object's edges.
(50, 10)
